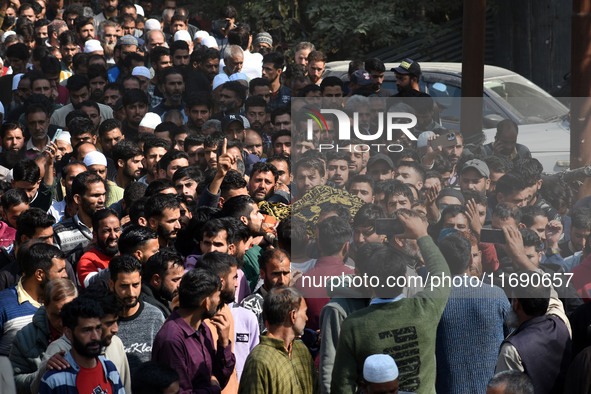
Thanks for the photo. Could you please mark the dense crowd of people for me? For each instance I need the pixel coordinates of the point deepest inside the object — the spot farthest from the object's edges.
(178, 216)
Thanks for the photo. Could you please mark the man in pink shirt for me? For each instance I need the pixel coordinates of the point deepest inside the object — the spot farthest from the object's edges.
(334, 234)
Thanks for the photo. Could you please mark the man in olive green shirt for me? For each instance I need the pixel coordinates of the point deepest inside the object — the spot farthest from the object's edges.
(404, 328)
(280, 363)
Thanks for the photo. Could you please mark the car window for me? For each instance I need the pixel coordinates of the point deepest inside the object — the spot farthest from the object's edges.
(528, 102)
(448, 99)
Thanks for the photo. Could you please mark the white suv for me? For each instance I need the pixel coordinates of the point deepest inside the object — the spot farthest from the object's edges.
(542, 119)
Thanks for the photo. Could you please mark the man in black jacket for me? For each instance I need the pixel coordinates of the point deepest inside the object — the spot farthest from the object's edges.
(161, 278)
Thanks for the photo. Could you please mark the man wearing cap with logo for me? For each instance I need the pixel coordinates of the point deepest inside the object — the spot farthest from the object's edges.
(380, 375)
(233, 128)
(407, 79)
(126, 44)
(360, 83)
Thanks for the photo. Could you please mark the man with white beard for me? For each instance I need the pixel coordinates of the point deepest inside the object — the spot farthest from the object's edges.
(108, 35)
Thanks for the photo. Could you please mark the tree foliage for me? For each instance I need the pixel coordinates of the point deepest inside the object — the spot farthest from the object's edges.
(346, 29)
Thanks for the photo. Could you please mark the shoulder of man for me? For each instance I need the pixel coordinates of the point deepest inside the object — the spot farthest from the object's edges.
(154, 312)
(64, 225)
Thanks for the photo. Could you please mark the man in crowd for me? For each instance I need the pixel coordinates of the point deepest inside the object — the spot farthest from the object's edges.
(284, 309)
(40, 264)
(139, 321)
(163, 212)
(162, 275)
(273, 64)
(354, 346)
(83, 327)
(74, 234)
(275, 271)
(185, 343)
(106, 230)
(128, 158)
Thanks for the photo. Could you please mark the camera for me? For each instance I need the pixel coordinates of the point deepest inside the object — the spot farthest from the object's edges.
(221, 25)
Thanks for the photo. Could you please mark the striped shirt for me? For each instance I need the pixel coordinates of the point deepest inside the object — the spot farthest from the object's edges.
(72, 236)
(16, 311)
(64, 381)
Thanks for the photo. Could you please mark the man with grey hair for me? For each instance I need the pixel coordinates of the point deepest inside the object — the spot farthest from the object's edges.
(233, 59)
(514, 382)
(211, 126)
(54, 29)
(109, 33)
(167, 18)
(302, 50)
(154, 38)
(284, 310)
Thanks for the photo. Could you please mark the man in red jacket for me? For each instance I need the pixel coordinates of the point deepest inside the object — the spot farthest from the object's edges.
(106, 230)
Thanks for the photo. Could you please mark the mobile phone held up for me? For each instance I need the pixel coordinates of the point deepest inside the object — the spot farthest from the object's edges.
(492, 236)
(57, 134)
(389, 227)
(445, 140)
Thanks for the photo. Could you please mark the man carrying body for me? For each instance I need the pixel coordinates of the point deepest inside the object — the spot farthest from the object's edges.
(261, 185)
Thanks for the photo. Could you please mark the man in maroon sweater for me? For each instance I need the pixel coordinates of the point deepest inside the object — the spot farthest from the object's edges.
(334, 234)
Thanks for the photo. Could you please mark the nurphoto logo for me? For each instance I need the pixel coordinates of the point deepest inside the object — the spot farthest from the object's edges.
(395, 121)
